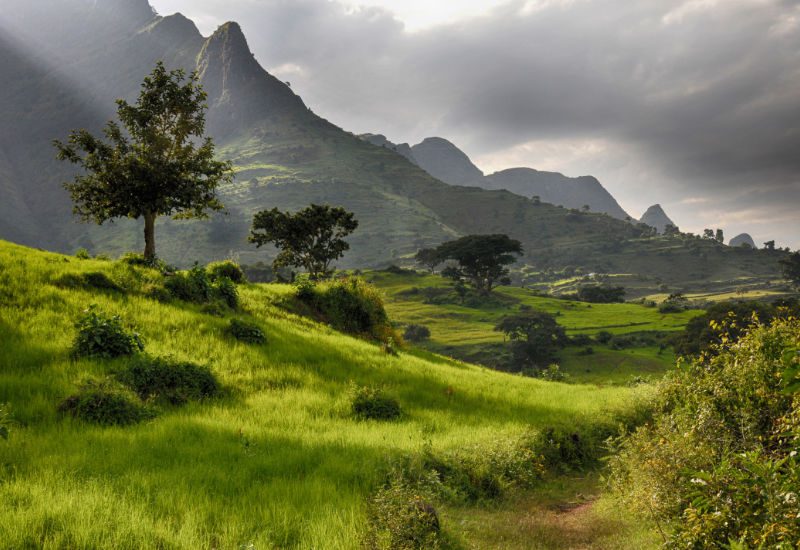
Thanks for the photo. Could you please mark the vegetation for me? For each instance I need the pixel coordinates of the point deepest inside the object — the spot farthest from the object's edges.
(480, 259)
(311, 238)
(104, 403)
(535, 338)
(598, 294)
(416, 333)
(156, 169)
(169, 381)
(718, 465)
(226, 269)
(247, 332)
(369, 403)
(284, 420)
(791, 269)
(100, 335)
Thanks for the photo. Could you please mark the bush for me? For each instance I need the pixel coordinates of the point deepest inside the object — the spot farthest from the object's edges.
(173, 382)
(249, 333)
(718, 463)
(102, 336)
(553, 373)
(227, 269)
(416, 333)
(372, 404)
(190, 286)
(104, 403)
(603, 337)
(5, 422)
(225, 289)
(349, 305)
(82, 254)
(399, 518)
(601, 294)
(138, 260)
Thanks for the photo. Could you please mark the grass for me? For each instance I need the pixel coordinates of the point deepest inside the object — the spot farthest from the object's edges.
(468, 332)
(277, 463)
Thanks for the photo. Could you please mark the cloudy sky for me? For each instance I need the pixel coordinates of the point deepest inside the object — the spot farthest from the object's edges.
(694, 104)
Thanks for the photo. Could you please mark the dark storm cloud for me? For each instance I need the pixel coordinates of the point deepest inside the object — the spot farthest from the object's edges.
(704, 92)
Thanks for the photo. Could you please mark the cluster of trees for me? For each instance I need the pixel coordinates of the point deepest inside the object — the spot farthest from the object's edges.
(479, 260)
(710, 234)
(162, 165)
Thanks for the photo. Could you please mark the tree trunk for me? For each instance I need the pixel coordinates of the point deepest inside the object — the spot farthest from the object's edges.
(150, 236)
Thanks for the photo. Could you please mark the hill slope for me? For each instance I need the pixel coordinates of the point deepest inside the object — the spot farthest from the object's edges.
(277, 462)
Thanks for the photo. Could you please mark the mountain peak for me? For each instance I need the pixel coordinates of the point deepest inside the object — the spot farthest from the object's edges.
(446, 162)
(656, 217)
(743, 239)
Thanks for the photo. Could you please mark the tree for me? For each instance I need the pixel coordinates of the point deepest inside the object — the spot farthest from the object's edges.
(481, 259)
(769, 245)
(791, 268)
(708, 233)
(720, 236)
(535, 338)
(672, 230)
(311, 238)
(586, 208)
(428, 257)
(160, 166)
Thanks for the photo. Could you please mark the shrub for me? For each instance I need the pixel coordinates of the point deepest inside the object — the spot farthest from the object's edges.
(82, 254)
(601, 294)
(581, 340)
(225, 289)
(173, 382)
(603, 337)
(718, 463)
(416, 333)
(553, 373)
(190, 286)
(104, 403)
(228, 269)
(138, 260)
(246, 332)
(372, 404)
(102, 336)
(399, 518)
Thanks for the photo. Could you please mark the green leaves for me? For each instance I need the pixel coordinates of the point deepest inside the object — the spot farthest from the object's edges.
(311, 238)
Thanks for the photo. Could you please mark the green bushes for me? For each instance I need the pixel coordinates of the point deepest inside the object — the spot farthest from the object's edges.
(718, 464)
(400, 519)
(416, 333)
(349, 305)
(95, 279)
(226, 269)
(197, 287)
(249, 333)
(226, 290)
(104, 403)
(372, 404)
(104, 336)
(169, 381)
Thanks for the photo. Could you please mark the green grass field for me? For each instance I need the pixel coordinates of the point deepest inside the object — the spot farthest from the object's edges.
(468, 332)
(277, 463)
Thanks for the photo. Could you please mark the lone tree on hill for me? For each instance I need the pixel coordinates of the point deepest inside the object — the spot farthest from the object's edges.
(428, 257)
(535, 338)
(791, 268)
(156, 167)
(481, 259)
(311, 238)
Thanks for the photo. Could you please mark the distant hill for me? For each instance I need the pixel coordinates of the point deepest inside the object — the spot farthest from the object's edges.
(446, 162)
(379, 140)
(743, 239)
(656, 217)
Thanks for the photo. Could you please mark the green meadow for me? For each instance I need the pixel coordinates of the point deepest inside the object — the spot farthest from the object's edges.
(278, 461)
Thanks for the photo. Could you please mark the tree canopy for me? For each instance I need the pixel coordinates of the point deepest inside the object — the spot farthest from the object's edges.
(480, 259)
(791, 268)
(311, 238)
(535, 338)
(159, 165)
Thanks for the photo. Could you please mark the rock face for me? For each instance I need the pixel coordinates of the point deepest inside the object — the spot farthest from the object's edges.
(656, 217)
(446, 162)
(743, 239)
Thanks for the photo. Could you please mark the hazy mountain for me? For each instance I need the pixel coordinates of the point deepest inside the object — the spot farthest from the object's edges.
(656, 217)
(443, 160)
(743, 239)
(556, 188)
(446, 162)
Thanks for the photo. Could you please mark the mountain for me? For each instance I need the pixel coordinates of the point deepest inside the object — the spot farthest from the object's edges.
(380, 140)
(557, 188)
(446, 162)
(743, 239)
(65, 62)
(656, 217)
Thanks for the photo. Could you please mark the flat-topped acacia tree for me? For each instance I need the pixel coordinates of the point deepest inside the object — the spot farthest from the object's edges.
(161, 165)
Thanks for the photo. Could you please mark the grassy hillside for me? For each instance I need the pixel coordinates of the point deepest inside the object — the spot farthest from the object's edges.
(467, 331)
(277, 462)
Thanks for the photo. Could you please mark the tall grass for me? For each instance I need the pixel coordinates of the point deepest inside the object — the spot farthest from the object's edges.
(278, 462)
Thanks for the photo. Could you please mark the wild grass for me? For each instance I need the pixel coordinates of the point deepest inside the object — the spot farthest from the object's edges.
(279, 462)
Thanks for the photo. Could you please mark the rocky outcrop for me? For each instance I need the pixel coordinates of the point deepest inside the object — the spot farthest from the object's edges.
(656, 217)
(743, 239)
